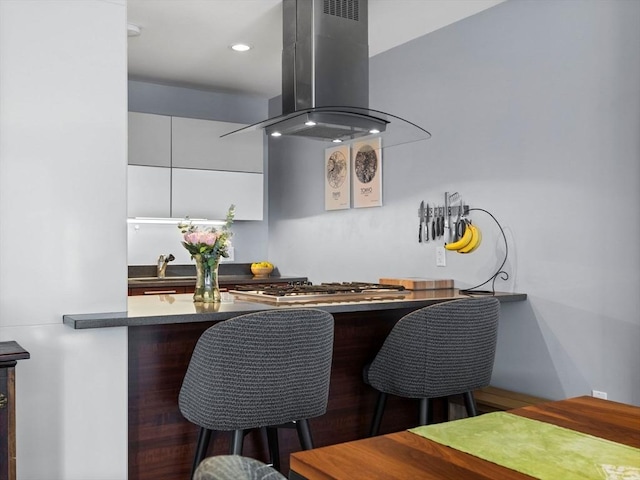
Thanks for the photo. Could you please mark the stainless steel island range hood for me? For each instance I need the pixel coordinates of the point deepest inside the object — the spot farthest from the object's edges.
(325, 77)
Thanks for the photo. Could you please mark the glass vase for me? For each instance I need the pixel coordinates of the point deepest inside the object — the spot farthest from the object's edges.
(207, 288)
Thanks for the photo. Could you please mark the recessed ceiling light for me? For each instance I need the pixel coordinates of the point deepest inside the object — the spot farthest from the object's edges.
(337, 140)
(374, 130)
(240, 47)
(276, 134)
(133, 30)
(310, 123)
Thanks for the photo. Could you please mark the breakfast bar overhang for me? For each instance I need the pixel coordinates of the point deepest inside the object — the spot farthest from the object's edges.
(163, 331)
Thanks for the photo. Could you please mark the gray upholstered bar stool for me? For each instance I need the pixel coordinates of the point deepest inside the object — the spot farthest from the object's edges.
(235, 467)
(264, 369)
(440, 350)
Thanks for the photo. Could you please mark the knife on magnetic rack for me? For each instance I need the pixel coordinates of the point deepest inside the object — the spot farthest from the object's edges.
(421, 217)
(427, 214)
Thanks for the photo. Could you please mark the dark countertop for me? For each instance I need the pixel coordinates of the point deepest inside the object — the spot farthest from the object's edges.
(223, 280)
(180, 308)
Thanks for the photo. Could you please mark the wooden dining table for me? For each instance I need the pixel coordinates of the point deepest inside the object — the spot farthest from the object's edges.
(405, 455)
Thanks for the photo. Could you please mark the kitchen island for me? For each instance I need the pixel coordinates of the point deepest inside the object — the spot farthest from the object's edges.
(162, 332)
(180, 309)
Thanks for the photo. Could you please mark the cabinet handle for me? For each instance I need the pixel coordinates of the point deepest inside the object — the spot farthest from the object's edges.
(159, 292)
(3, 401)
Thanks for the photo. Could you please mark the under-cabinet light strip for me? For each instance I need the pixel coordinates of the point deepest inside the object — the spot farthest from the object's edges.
(174, 221)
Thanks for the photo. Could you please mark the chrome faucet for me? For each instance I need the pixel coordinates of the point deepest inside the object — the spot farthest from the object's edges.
(162, 264)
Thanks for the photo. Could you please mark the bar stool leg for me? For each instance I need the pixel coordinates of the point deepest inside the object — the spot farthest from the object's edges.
(424, 411)
(236, 442)
(470, 404)
(304, 433)
(204, 437)
(377, 417)
(274, 448)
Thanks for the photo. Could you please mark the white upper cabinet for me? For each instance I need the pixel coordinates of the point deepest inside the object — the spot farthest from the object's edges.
(149, 139)
(197, 144)
(181, 167)
(148, 191)
(209, 193)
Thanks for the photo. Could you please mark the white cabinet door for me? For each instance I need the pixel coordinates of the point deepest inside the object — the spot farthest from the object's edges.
(197, 144)
(148, 191)
(208, 194)
(149, 139)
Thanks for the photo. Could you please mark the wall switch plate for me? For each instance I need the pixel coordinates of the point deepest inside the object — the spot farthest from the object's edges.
(441, 258)
(599, 394)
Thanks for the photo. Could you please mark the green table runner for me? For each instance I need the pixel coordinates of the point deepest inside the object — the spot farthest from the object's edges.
(538, 449)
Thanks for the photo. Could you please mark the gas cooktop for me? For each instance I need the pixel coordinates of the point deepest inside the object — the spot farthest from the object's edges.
(324, 292)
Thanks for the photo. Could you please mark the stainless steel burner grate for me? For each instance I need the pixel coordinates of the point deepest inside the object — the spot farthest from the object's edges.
(324, 292)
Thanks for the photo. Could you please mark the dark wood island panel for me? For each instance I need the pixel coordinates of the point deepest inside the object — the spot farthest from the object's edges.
(162, 442)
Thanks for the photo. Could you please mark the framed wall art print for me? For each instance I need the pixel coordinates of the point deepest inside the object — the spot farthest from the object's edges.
(366, 173)
(337, 195)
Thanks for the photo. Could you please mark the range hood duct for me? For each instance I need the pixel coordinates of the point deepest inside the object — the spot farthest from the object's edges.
(325, 54)
(325, 77)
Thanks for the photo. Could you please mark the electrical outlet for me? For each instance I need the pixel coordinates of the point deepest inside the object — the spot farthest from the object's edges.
(599, 394)
(441, 257)
(231, 253)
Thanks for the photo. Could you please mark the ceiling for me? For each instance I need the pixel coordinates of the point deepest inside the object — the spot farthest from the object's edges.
(186, 42)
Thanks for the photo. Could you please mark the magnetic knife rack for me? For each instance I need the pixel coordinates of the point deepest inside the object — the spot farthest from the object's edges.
(453, 207)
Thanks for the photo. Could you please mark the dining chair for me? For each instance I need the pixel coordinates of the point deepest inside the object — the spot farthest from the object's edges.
(265, 369)
(440, 350)
(235, 467)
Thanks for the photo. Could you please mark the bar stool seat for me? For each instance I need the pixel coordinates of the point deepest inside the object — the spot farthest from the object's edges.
(438, 351)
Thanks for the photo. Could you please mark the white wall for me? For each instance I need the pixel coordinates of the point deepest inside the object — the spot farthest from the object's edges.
(534, 108)
(63, 119)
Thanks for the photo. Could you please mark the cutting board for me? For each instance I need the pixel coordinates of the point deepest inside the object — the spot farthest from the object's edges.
(414, 283)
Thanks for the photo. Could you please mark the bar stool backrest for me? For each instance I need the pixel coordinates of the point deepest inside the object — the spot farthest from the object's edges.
(441, 350)
(260, 369)
(235, 467)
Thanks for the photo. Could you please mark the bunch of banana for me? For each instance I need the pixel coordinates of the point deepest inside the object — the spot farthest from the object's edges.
(469, 241)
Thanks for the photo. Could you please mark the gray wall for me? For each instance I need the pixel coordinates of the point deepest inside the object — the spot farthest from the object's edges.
(149, 241)
(161, 99)
(534, 108)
